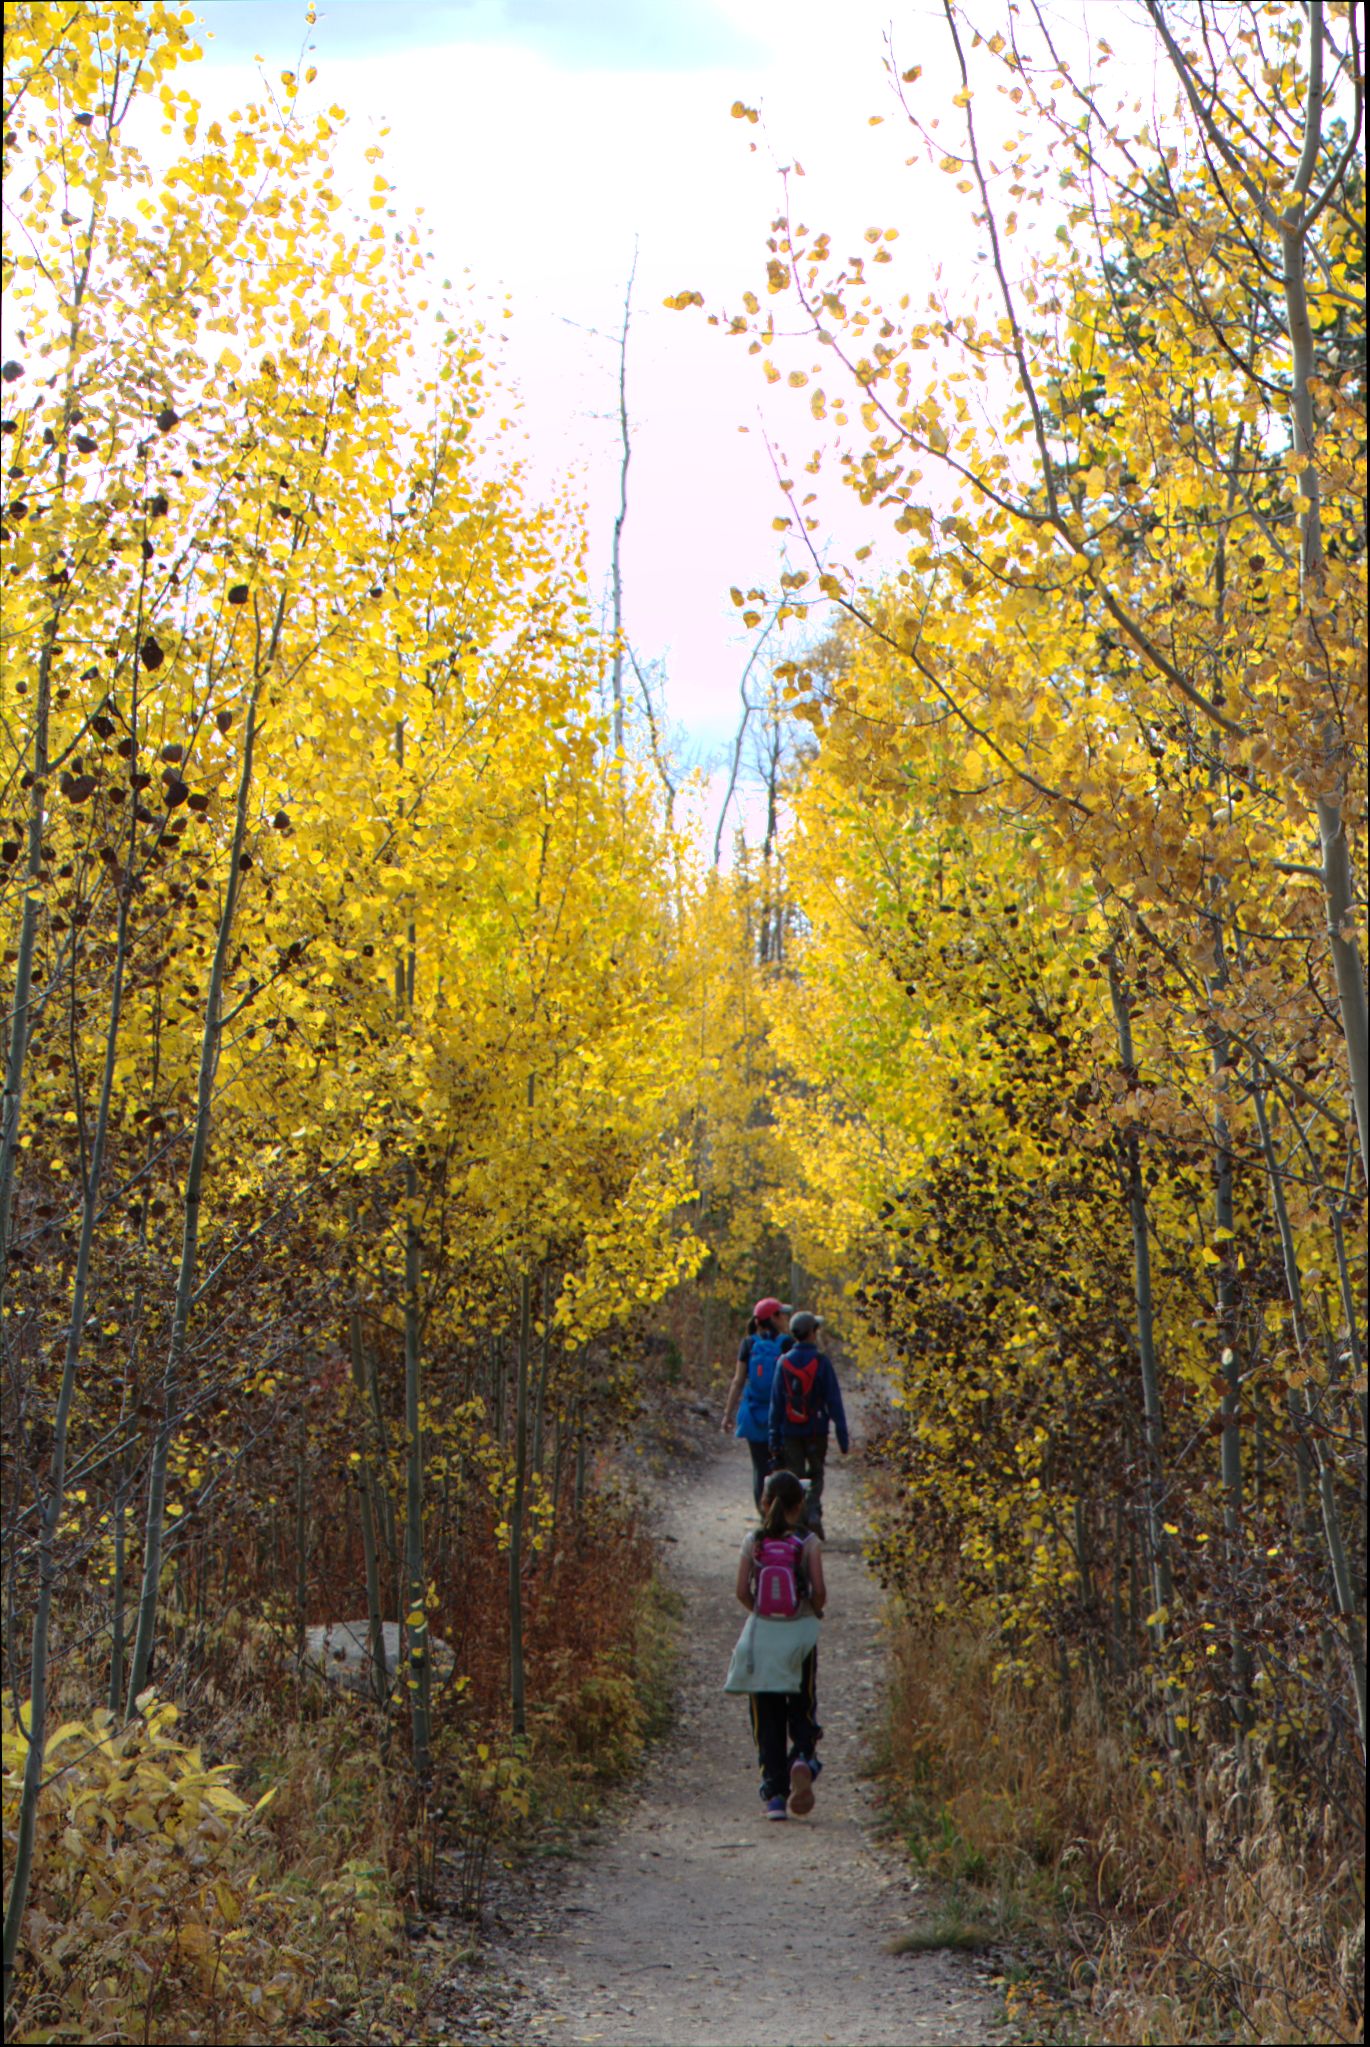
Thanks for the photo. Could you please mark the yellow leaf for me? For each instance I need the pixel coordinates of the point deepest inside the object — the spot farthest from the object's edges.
(221, 1799)
(65, 1733)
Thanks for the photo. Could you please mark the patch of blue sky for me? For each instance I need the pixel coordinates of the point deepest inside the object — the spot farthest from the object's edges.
(617, 35)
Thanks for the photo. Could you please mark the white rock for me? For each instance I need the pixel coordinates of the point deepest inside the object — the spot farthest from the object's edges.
(341, 1651)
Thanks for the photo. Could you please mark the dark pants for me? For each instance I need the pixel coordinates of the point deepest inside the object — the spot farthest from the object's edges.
(804, 1456)
(761, 1464)
(785, 1727)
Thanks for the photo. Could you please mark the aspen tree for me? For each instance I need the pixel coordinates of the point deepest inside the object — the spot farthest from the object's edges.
(1153, 1423)
(173, 1391)
(1343, 1594)
(1290, 217)
(518, 1695)
(362, 1386)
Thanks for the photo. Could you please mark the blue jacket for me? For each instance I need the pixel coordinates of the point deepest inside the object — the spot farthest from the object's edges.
(758, 1353)
(824, 1405)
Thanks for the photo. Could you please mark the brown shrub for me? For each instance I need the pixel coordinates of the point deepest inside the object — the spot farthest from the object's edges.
(1180, 1903)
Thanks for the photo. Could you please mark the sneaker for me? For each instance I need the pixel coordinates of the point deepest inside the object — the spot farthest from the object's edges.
(775, 1809)
(801, 1788)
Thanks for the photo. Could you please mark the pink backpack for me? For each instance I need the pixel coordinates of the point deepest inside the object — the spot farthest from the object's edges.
(775, 1569)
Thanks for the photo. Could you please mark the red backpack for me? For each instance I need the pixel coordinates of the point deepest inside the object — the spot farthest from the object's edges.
(800, 1406)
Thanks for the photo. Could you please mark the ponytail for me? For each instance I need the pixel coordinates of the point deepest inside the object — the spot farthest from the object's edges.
(782, 1493)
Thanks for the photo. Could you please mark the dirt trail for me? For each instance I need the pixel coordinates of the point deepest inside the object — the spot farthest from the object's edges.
(700, 1925)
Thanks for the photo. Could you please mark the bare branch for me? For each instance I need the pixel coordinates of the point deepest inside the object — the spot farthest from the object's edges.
(620, 520)
(747, 708)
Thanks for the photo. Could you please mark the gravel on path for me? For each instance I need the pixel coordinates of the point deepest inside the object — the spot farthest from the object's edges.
(699, 1924)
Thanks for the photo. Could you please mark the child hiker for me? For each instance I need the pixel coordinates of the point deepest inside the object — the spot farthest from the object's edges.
(805, 1396)
(780, 1582)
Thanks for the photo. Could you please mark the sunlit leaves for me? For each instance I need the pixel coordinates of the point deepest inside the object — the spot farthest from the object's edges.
(1077, 701)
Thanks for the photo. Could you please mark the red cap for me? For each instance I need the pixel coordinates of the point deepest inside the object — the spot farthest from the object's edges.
(767, 1310)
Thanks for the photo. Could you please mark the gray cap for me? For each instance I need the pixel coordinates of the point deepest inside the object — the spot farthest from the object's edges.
(804, 1324)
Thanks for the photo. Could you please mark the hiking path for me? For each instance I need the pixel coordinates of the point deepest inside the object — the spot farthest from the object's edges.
(699, 1924)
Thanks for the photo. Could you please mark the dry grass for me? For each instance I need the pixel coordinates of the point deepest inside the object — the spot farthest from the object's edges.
(947, 1929)
(1176, 1906)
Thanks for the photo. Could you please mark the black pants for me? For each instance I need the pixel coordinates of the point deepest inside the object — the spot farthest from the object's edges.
(805, 1457)
(761, 1464)
(781, 1718)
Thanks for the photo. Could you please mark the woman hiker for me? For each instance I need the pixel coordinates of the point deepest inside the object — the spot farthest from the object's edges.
(749, 1396)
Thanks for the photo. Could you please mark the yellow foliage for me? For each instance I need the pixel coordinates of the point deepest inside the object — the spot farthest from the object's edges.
(147, 1917)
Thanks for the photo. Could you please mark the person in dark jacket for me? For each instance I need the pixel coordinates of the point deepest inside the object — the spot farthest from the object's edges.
(805, 1399)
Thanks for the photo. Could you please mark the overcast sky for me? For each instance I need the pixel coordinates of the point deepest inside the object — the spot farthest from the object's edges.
(542, 137)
